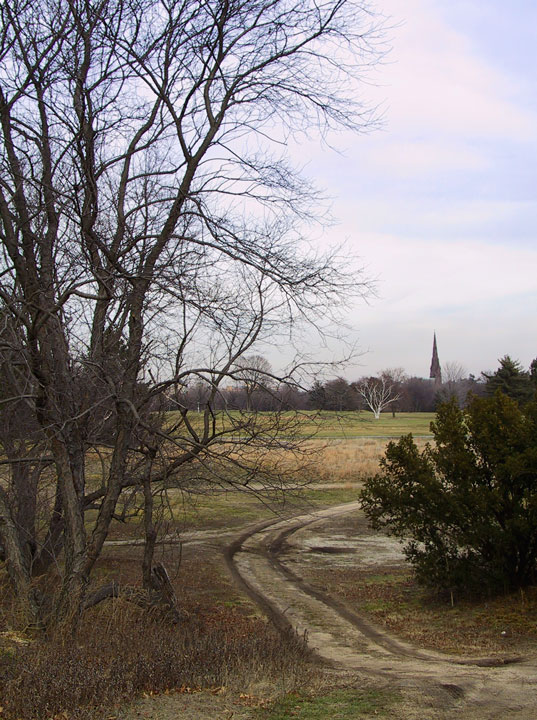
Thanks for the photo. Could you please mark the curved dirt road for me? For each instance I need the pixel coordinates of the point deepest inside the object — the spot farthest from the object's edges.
(475, 688)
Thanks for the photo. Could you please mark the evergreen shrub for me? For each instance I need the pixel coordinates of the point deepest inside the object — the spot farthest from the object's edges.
(465, 506)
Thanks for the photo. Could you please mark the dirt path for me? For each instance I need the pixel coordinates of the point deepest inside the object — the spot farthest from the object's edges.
(469, 688)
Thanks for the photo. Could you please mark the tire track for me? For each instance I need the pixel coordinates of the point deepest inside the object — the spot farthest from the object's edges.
(343, 639)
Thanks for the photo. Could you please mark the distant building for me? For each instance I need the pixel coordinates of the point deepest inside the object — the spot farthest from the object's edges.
(436, 370)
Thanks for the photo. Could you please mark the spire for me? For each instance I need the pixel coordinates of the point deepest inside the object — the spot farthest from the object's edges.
(436, 370)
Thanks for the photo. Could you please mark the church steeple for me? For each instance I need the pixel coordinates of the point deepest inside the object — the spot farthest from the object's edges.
(436, 370)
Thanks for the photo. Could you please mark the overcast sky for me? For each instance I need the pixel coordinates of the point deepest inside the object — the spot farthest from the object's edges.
(440, 204)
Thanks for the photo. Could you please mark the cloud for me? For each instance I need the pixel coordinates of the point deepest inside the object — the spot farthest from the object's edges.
(436, 81)
(437, 275)
(440, 205)
(432, 214)
(418, 157)
(451, 116)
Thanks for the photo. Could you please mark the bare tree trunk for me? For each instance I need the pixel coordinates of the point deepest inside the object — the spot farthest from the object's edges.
(150, 532)
(23, 493)
(164, 591)
(53, 542)
(75, 577)
(18, 567)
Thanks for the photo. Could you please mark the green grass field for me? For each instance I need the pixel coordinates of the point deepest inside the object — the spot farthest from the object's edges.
(331, 424)
(363, 424)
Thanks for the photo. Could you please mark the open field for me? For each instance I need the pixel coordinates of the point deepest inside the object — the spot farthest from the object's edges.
(363, 424)
(331, 472)
(227, 660)
(330, 424)
(350, 460)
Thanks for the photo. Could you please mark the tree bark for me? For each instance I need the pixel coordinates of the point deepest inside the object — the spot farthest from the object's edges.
(18, 567)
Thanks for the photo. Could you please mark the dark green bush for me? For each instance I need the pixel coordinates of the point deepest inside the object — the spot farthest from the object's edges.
(467, 505)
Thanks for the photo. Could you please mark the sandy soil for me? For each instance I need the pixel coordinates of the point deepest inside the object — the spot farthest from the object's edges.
(266, 562)
(448, 687)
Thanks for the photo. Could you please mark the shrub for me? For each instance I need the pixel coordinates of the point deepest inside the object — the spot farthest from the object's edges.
(467, 505)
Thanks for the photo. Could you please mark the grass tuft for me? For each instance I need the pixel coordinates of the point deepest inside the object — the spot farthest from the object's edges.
(340, 704)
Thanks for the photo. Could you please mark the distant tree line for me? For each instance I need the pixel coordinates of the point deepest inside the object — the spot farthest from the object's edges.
(255, 388)
(392, 390)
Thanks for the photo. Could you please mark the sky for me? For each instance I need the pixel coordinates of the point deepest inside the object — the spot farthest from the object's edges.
(440, 204)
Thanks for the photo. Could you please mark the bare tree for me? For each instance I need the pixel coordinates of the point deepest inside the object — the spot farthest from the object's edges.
(255, 373)
(417, 395)
(397, 377)
(454, 372)
(456, 383)
(377, 392)
(338, 395)
(150, 236)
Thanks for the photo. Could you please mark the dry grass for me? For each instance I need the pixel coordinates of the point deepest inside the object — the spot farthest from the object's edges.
(388, 594)
(505, 625)
(343, 462)
(339, 462)
(120, 653)
(349, 461)
(123, 652)
(198, 573)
